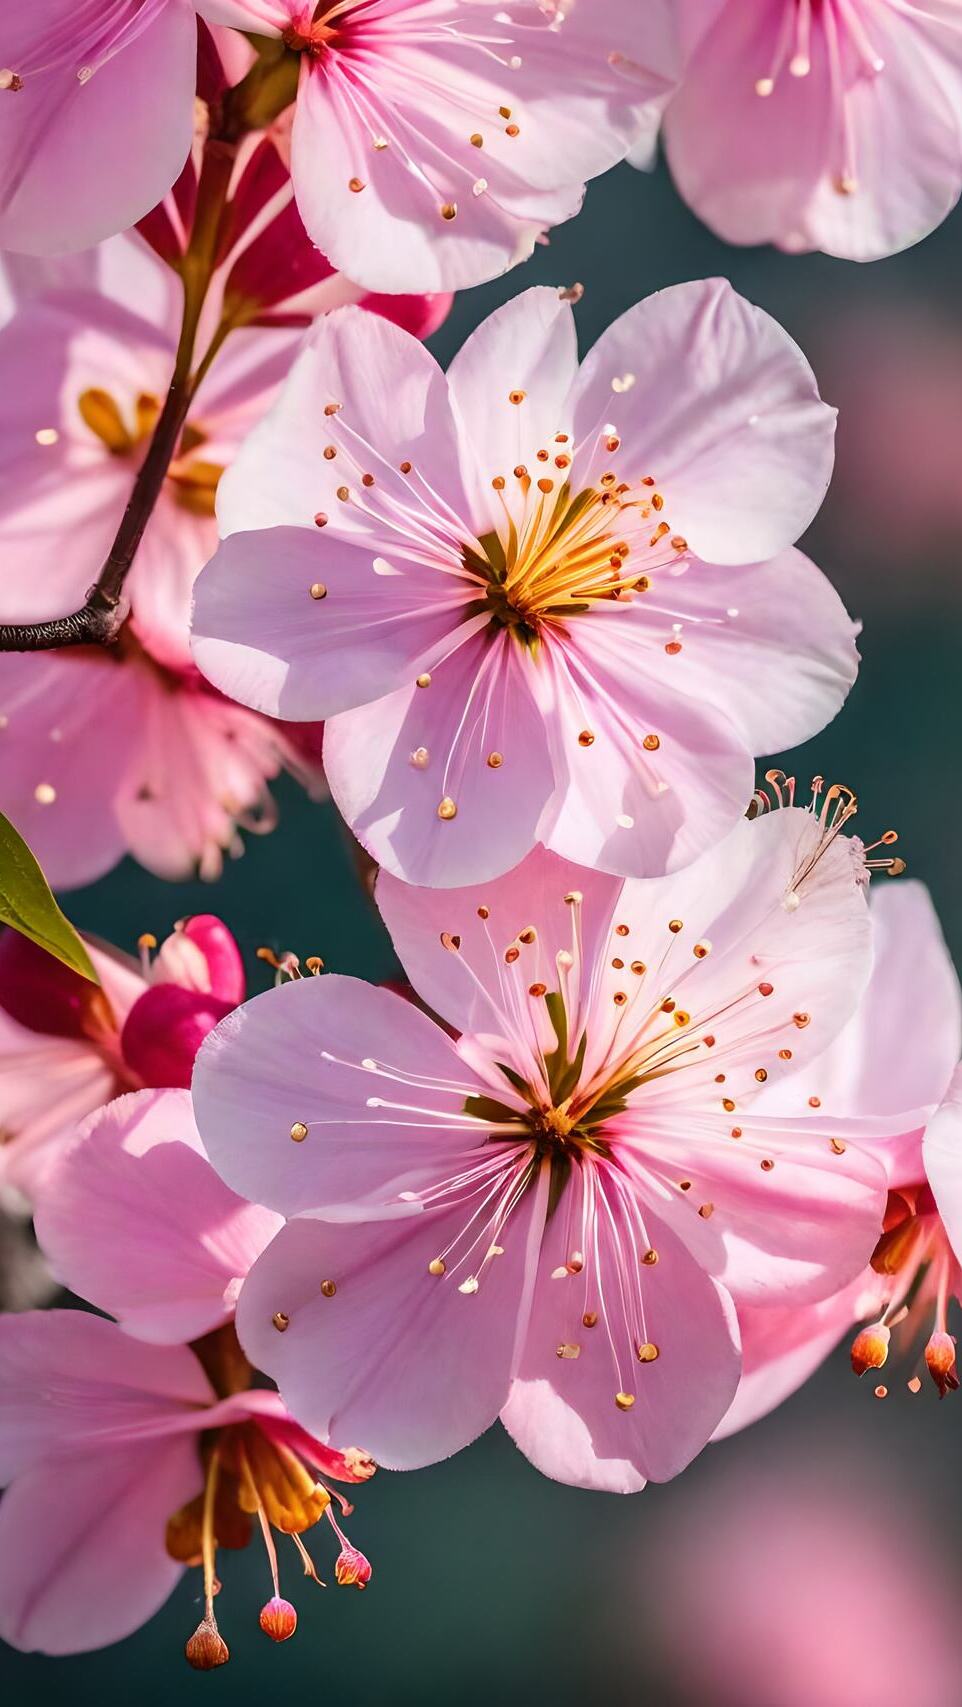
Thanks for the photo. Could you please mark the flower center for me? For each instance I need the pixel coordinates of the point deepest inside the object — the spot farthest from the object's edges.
(559, 553)
(193, 481)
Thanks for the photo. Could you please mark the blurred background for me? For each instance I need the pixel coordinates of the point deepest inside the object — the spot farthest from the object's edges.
(814, 1560)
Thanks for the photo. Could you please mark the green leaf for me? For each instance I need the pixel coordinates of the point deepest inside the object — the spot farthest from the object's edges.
(28, 906)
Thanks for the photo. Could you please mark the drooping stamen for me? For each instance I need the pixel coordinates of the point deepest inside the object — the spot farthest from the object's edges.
(206, 1648)
(278, 1618)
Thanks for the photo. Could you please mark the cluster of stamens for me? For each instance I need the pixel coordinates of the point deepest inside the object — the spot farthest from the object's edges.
(917, 1273)
(255, 1470)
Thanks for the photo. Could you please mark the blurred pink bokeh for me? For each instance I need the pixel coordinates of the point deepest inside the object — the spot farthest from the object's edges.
(799, 1581)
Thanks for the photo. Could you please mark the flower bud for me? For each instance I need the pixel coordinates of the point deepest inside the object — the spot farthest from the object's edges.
(352, 1569)
(278, 1619)
(870, 1348)
(207, 1648)
(940, 1360)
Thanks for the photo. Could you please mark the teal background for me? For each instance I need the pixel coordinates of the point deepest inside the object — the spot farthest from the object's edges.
(491, 1583)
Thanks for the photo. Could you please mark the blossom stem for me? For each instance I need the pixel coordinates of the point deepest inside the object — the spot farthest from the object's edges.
(257, 100)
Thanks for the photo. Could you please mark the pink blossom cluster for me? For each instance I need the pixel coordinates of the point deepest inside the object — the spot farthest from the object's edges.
(669, 1102)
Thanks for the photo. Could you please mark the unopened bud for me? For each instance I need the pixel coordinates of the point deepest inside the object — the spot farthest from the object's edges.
(278, 1619)
(207, 1648)
(352, 1569)
(940, 1360)
(870, 1348)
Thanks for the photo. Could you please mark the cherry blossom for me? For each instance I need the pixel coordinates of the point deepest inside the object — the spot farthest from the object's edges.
(550, 1213)
(535, 602)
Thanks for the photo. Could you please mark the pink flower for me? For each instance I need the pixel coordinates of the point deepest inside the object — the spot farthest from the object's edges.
(549, 1215)
(127, 1460)
(503, 588)
(433, 141)
(896, 1058)
(96, 116)
(66, 1046)
(819, 124)
(127, 751)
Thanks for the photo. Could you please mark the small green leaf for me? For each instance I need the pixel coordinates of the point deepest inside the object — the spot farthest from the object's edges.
(28, 906)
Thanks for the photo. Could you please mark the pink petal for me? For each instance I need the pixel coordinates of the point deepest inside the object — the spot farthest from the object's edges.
(906, 151)
(711, 398)
(264, 17)
(776, 1213)
(779, 944)
(783, 1345)
(391, 406)
(82, 1555)
(747, 164)
(68, 173)
(378, 213)
(137, 1222)
(175, 548)
(72, 1382)
(562, 1411)
(202, 955)
(364, 1364)
(57, 708)
(616, 805)
(378, 1085)
(769, 646)
(261, 636)
(467, 988)
(46, 1085)
(164, 1031)
(201, 767)
(526, 350)
(942, 1153)
(900, 1047)
(472, 738)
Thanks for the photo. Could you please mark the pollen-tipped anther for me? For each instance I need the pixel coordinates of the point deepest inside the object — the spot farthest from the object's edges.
(870, 1348)
(940, 1362)
(278, 1619)
(206, 1648)
(352, 1568)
